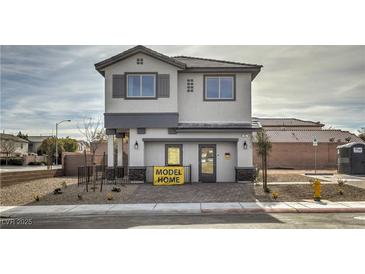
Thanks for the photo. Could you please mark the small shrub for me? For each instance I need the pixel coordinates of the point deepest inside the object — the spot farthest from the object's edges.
(36, 197)
(57, 191)
(341, 182)
(116, 189)
(109, 196)
(340, 191)
(275, 195)
(64, 184)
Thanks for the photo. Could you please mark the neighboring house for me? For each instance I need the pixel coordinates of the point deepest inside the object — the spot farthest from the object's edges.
(35, 142)
(12, 145)
(180, 111)
(292, 143)
(288, 123)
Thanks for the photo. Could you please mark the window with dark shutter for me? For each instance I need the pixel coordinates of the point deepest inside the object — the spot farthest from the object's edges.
(118, 86)
(163, 86)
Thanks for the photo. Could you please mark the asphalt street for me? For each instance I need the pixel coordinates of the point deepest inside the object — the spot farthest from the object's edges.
(262, 220)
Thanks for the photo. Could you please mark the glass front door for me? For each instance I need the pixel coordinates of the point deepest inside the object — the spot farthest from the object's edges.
(207, 163)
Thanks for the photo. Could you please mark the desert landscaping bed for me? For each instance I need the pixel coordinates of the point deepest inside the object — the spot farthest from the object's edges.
(301, 192)
(24, 193)
(285, 177)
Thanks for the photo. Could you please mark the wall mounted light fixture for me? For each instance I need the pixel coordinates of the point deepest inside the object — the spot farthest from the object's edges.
(136, 145)
(244, 145)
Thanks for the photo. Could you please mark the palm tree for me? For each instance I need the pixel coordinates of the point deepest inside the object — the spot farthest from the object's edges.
(263, 149)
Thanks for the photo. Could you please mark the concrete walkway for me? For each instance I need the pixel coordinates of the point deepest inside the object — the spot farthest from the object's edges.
(183, 208)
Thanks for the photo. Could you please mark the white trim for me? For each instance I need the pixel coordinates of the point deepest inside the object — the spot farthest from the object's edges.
(219, 88)
(140, 87)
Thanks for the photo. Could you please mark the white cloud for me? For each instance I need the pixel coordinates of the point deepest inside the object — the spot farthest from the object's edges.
(41, 85)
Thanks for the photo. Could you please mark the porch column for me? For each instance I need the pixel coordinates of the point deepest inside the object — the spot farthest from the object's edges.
(110, 150)
(245, 171)
(119, 151)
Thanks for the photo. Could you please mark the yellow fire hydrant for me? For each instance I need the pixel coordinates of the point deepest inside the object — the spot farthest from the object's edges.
(317, 189)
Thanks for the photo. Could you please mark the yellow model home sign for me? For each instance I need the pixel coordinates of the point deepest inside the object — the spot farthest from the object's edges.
(168, 175)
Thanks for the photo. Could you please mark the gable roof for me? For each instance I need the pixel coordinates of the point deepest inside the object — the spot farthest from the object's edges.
(4, 136)
(287, 122)
(132, 51)
(198, 64)
(185, 63)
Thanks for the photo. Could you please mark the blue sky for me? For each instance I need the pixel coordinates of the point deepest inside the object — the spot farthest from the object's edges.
(41, 85)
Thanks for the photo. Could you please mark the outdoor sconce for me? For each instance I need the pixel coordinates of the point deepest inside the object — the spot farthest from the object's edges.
(136, 145)
(244, 145)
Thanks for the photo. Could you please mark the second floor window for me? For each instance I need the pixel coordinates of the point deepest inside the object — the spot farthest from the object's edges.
(141, 85)
(219, 88)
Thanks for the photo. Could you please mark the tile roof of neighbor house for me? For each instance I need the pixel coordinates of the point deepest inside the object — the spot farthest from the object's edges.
(187, 63)
(4, 136)
(307, 136)
(286, 122)
(253, 125)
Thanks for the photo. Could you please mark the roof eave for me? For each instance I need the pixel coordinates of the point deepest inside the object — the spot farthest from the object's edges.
(254, 71)
(130, 52)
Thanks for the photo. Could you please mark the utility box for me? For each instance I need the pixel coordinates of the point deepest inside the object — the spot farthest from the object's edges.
(351, 158)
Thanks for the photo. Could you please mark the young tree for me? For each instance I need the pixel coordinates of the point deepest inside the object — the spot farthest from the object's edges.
(263, 149)
(48, 147)
(93, 133)
(7, 147)
(23, 136)
(69, 144)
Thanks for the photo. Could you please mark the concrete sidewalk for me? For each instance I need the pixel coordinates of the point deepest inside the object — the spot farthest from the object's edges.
(183, 208)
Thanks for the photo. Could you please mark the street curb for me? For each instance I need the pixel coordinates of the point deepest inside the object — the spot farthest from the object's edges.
(187, 212)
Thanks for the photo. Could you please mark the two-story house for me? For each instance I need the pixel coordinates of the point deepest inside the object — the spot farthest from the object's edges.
(179, 111)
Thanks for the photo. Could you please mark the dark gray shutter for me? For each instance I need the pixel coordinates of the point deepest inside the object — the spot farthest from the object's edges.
(118, 86)
(163, 86)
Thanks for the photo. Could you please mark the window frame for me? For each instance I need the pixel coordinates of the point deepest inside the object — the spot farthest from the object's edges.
(219, 76)
(167, 146)
(140, 74)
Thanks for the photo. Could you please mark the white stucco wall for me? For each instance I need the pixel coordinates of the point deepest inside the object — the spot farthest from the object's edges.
(120, 105)
(153, 153)
(192, 107)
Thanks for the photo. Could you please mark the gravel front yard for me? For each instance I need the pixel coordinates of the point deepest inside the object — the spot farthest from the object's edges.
(23, 193)
(294, 193)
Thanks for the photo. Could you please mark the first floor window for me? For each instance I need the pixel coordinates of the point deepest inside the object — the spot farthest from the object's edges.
(141, 85)
(219, 87)
(174, 155)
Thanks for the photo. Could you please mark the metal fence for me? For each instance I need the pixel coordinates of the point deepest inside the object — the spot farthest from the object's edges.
(115, 175)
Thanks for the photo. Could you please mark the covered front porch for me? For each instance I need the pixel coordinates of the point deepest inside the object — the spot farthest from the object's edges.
(210, 156)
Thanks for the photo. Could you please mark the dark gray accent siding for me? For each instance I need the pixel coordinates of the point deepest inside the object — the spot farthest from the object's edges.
(190, 140)
(163, 86)
(118, 86)
(141, 120)
(141, 130)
